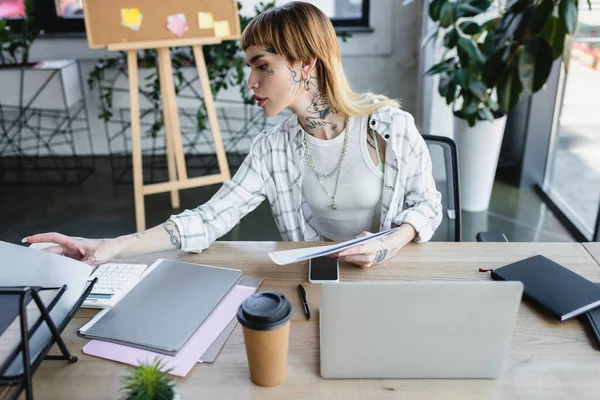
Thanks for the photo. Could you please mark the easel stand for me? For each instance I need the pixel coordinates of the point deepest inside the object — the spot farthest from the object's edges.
(178, 178)
(23, 295)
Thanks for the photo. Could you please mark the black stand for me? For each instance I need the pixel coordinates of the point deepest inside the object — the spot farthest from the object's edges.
(14, 302)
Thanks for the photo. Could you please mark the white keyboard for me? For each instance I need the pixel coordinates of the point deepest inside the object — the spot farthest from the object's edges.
(114, 281)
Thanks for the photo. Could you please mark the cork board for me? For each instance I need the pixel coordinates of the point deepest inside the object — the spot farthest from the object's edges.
(130, 21)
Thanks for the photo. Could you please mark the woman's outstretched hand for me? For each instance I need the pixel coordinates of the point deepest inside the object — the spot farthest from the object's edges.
(89, 251)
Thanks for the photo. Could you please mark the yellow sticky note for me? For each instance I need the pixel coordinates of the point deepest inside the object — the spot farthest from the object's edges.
(131, 17)
(205, 20)
(222, 28)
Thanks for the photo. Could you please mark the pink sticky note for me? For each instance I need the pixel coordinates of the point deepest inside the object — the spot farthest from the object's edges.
(193, 349)
(177, 24)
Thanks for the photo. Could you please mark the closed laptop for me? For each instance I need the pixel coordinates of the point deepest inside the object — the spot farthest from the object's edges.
(417, 329)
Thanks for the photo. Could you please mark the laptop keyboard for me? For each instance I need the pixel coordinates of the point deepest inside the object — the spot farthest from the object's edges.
(113, 277)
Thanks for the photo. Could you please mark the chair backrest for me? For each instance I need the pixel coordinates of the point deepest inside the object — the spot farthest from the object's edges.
(445, 172)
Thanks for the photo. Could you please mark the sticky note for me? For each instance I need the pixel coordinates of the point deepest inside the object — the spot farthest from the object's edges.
(205, 20)
(131, 18)
(177, 24)
(222, 28)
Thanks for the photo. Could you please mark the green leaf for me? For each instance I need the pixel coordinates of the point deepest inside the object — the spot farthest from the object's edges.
(506, 28)
(470, 27)
(541, 15)
(439, 67)
(487, 47)
(554, 33)
(494, 66)
(435, 8)
(468, 52)
(450, 38)
(451, 92)
(535, 62)
(485, 114)
(443, 85)
(479, 89)
(509, 89)
(471, 8)
(447, 15)
(567, 13)
(461, 77)
(516, 6)
(469, 108)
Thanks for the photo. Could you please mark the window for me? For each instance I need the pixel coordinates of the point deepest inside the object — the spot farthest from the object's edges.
(343, 13)
(62, 16)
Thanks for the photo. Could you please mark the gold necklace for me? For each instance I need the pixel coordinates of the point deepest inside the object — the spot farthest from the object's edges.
(336, 169)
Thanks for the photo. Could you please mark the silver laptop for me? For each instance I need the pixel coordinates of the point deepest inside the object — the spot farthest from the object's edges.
(436, 329)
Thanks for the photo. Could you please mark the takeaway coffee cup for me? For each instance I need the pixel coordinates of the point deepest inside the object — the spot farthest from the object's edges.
(265, 319)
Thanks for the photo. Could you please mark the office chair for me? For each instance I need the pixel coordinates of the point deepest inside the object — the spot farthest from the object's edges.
(445, 173)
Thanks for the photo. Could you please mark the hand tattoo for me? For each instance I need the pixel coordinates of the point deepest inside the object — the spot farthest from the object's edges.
(174, 235)
(382, 253)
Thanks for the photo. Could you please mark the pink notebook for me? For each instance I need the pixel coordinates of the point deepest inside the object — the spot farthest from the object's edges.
(193, 349)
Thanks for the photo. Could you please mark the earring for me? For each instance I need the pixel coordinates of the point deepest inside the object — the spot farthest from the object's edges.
(306, 86)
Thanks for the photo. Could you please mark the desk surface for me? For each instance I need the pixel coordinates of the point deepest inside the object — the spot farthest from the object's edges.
(548, 359)
(594, 249)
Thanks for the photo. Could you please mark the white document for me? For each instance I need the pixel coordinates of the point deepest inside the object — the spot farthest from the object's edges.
(291, 256)
(23, 266)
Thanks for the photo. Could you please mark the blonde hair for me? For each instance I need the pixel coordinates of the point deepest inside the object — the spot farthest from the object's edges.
(300, 32)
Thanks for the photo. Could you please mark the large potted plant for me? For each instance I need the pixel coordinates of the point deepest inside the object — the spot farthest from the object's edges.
(493, 53)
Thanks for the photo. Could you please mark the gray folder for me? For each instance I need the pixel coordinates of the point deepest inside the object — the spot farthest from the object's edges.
(166, 307)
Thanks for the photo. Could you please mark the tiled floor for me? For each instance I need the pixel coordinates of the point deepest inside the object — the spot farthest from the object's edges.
(98, 208)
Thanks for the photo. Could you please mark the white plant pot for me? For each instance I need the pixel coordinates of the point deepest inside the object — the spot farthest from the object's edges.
(478, 150)
(60, 77)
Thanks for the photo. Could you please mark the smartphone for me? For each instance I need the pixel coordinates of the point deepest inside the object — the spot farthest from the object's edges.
(323, 269)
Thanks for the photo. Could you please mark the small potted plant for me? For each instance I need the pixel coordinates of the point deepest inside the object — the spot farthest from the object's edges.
(149, 381)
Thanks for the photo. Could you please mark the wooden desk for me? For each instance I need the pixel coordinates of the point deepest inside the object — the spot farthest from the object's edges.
(594, 249)
(548, 359)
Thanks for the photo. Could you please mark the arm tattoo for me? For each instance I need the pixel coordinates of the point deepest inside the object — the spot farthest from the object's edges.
(138, 235)
(174, 235)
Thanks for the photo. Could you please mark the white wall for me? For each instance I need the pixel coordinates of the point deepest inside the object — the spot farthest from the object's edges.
(384, 61)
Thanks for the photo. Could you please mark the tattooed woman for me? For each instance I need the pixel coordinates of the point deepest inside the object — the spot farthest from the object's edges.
(344, 164)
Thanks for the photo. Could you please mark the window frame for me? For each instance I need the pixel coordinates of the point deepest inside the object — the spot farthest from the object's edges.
(53, 25)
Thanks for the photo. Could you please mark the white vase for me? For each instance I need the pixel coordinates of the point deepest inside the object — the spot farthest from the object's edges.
(478, 150)
(52, 84)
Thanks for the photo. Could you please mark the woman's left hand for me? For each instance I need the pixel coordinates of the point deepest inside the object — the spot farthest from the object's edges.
(370, 253)
(379, 250)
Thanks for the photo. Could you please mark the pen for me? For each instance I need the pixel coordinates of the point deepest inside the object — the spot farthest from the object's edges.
(303, 298)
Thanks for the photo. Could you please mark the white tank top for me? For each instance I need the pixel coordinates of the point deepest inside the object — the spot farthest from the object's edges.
(360, 186)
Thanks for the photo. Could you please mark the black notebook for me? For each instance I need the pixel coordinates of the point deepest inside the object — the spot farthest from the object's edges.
(593, 319)
(561, 291)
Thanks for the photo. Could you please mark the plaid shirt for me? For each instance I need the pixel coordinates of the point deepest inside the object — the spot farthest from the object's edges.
(274, 170)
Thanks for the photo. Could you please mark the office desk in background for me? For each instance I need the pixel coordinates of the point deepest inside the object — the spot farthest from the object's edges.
(548, 359)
